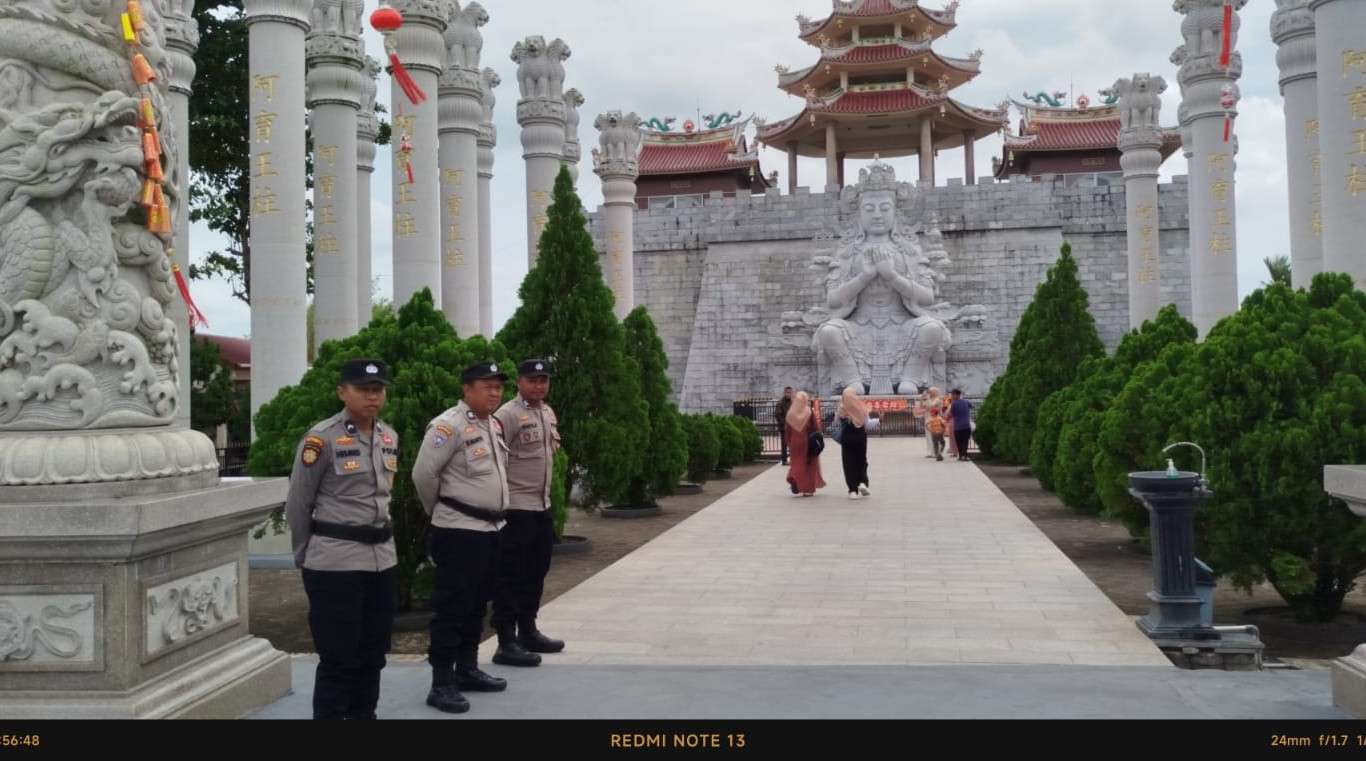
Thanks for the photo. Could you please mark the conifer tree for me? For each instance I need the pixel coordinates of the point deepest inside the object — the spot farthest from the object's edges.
(666, 454)
(566, 316)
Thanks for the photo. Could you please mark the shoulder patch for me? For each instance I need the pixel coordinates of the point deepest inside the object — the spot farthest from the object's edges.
(444, 430)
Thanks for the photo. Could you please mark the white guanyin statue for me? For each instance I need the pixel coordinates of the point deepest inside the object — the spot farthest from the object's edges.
(886, 331)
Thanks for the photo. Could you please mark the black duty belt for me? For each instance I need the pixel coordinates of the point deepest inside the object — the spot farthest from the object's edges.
(350, 533)
(483, 514)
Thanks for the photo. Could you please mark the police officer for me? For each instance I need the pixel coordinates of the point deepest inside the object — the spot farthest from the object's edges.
(461, 477)
(338, 515)
(533, 437)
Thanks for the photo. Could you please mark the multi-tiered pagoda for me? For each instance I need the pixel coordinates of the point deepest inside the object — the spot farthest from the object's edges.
(880, 88)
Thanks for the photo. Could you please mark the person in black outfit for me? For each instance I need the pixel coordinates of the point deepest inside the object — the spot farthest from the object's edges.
(853, 417)
(780, 414)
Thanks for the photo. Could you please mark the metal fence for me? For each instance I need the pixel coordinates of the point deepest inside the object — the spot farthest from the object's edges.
(896, 417)
(232, 460)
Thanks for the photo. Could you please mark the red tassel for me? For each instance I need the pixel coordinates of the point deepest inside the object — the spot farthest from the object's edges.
(197, 318)
(1228, 127)
(1226, 53)
(405, 81)
(408, 167)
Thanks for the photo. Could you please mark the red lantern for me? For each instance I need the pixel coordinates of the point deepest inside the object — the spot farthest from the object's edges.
(386, 21)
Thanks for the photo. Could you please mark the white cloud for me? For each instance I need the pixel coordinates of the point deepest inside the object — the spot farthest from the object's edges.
(660, 57)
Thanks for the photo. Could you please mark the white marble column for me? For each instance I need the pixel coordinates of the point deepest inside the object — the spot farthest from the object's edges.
(336, 89)
(573, 151)
(182, 40)
(832, 158)
(1213, 230)
(617, 162)
(417, 204)
(488, 141)
(1292, 29)
(367, 131)
(927, 151)
(462, 112)
(1140, 146)
(541, 114)
(279, 265)
(1341, 53)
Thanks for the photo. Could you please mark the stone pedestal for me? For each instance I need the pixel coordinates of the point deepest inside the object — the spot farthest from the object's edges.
(1213, 230)
(617, 162)
(367, 130)
(462, 112)
(1140, 145)
(541, 114)
(279, 305)
(417, 203)
(182, 40)
(488, 141)
(1341, 54)
(336, 89)
(132, 607)
(1292, 29)
(1348, 483)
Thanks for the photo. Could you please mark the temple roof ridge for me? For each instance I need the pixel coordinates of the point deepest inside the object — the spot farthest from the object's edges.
(944, 18)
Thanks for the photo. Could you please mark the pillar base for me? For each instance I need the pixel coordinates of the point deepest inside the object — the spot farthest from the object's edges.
(134, 607)
(1349, 683)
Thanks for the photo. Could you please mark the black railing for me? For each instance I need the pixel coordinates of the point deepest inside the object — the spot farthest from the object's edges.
(232, 460)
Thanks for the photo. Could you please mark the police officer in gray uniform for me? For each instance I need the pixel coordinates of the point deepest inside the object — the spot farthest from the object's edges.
(533, 437)
(338, 515)
(461, 477)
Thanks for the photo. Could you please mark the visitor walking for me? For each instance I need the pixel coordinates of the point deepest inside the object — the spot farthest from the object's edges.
(961, 409)
(935, 428)
(852, 416)
(804, 472)
(780, 414)
(932, 407)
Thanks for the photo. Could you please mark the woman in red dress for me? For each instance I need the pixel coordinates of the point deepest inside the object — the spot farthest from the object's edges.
(804, 472)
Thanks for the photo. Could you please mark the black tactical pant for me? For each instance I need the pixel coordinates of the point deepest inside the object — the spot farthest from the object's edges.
(465, 569)
(351, 615)
(523, 561)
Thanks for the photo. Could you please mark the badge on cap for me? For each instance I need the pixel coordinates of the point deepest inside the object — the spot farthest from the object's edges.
(540, 366)
(493, 368)
(371, 370)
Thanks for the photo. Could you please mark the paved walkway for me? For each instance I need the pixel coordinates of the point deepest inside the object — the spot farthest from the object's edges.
(937, 567)
(935, 598)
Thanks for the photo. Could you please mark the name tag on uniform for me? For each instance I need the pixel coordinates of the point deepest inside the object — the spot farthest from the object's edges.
(350, 465)
(531, 436)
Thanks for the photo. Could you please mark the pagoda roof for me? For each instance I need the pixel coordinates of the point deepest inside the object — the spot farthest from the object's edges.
(699, 152)
(863, 58)
(935, 22)
(860, 114)
(1074, 129)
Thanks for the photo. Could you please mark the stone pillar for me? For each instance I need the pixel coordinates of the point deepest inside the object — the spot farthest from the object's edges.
(182, 40)
(336, 89)
(573, 151)
(367, 131)
(927, 151)
(123, 569)
(417, 204)
(1292, 29)
(488, 141)
(1213, 232)
(541, 114)
(462, 111)
(279, 265)
(1140, 146)
(839, 163)
(1341, 54)
(832, 169)
(792, 168)
(617, 162)
(969, 157)
(1348, 483)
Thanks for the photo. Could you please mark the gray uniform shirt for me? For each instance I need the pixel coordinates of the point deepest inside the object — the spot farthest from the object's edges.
(533, 437)
(463, 458)
(342, 476)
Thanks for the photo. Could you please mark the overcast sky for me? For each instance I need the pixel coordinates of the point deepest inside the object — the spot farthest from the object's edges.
(682, 57)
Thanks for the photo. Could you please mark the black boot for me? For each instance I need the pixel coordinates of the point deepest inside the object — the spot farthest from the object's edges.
(510, 651)
(533, 640)
(447, 698)
(471, 679)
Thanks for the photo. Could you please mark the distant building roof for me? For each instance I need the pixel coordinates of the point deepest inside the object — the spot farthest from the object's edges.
(1060, 130)
(700, 152)
(237, 351)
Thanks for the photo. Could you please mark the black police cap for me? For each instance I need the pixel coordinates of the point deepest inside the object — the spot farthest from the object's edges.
(534, 368)
(482, 371)
(360, 372)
